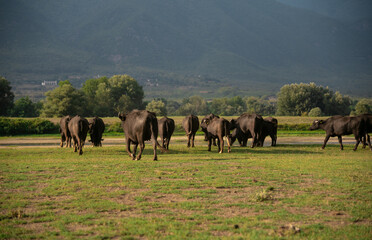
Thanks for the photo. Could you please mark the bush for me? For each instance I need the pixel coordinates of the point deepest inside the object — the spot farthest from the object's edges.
(315, 112)
(17, 126)
(294, 127)
(115, 127)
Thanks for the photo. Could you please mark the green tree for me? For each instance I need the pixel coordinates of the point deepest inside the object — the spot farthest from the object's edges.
(260, 106)
(64, 100)
(158, 107)
(363, 106)
(125, 85)
(90, 88)
(315, 112)
(335, 103)
(24, 107)
(299, 99)
(227, 106)
(108, 96)
(172, 107)
(193, 105)
(6, 97)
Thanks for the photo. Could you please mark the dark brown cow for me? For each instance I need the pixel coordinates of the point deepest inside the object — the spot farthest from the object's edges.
(215, 127)
(140, 126)
(210, 117)
(79, 128)
(191, 125)
(166, 128)
(96, 129)
(249, 124)
(63, 129)
(241, 137)
(367, 119)
(339, 126)
(269, 128)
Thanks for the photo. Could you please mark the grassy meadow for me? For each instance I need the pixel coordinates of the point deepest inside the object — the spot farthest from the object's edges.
(288, 191)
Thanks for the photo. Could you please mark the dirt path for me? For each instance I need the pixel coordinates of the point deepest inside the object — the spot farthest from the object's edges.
(115, 141)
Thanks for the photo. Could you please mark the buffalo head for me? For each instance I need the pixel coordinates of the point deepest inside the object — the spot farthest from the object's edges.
(122, 116)
(316, 124)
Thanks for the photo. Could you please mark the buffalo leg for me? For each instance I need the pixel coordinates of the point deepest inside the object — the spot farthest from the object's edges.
(142, 146)
(253, 140)
(193, 140)
(214, 142)
(188, 140)
(220, 145)
(154, 147)
(135, 150)
(63, 138)
(209, 144)
(273, 141)
(167, 143)
(128, 149)
(68, 142)
(75, 145)
(340, 141)
(325, 141)
(357, 138)
(228, 145)
(81, 147)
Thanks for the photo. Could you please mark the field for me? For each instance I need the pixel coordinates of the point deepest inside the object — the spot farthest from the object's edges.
(289, 191)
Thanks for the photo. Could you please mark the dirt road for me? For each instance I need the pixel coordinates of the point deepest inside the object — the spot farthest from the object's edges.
(115, 141)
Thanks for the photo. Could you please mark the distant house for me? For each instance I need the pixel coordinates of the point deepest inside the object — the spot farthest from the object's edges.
(49, 83)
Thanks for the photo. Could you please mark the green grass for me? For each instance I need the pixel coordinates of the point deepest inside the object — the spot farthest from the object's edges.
(188, 193)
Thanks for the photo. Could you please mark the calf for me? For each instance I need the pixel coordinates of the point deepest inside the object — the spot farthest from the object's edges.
(339, 126)
(242, 138)
(249, 125)
(140, 126)
(367, 121)
(96, 129)
(191, 125)
(79, 128)
(63, 129)
(216, 128)
(269, 128)
(166, 128)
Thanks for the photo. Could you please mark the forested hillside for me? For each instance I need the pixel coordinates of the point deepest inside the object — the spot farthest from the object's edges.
(176, 48)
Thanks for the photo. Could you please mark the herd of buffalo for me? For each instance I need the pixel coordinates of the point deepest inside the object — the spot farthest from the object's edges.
(141, 125)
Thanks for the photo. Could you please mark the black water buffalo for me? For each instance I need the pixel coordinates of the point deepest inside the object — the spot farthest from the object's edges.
(269, 128)
(367, 121)
(210, 117)
(216, 128)
(63, 129)
(96, 129)
(249, 125)
(166, 128)
(242, 138)
(339, 126)
(79, 128)
(140, 126)
(191, 125)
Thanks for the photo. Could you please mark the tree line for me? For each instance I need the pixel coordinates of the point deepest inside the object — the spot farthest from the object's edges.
(106, 97)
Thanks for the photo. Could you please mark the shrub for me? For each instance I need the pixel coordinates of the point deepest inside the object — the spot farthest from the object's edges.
(315, 112)
(17, 126)
(115, 127)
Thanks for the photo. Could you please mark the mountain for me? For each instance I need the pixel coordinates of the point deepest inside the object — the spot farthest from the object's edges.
(177, 48)
(342, 10)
